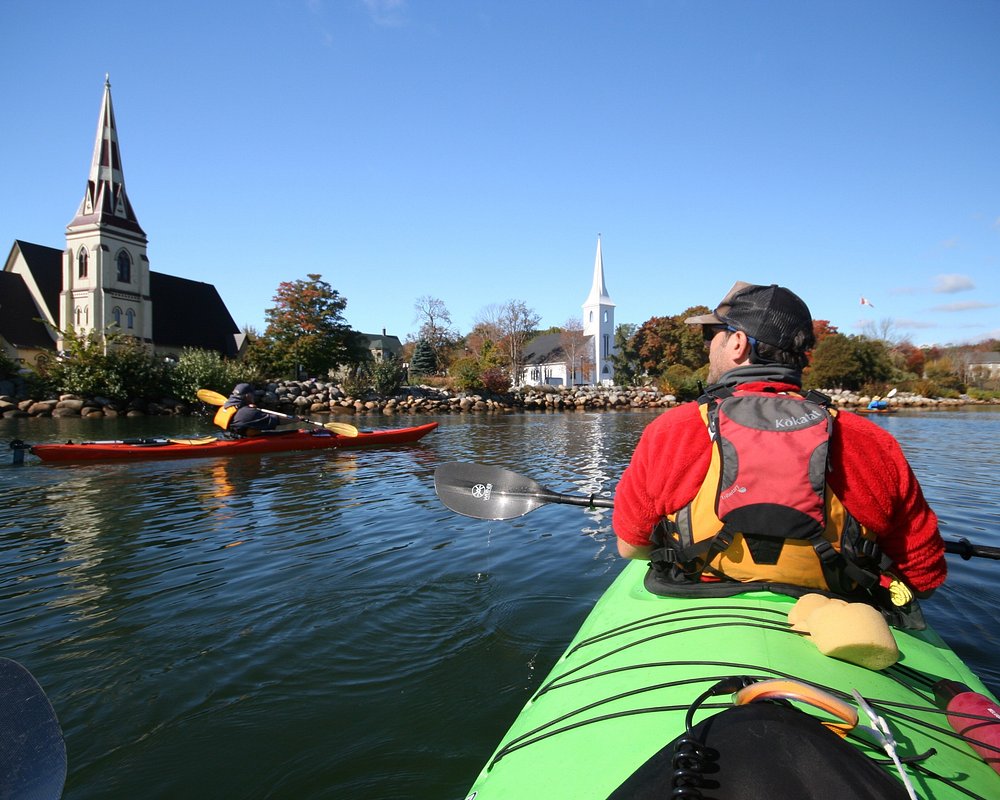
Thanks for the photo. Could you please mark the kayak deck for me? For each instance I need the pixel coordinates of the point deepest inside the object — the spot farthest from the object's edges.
(271, 442)
(621, 690)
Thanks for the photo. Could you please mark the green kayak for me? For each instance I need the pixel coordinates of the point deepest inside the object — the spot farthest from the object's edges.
(656, 696)
(623, 688)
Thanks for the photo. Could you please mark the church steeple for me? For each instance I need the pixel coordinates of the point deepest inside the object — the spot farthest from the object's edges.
(105, 281)
(105, 200)
(599, 322)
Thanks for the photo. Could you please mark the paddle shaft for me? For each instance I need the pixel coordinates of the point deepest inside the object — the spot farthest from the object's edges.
(484, 492)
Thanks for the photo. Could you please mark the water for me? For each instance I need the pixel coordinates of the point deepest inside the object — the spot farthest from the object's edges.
(318, 625)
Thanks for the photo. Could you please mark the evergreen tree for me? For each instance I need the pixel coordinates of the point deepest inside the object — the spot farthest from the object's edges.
(424, 362)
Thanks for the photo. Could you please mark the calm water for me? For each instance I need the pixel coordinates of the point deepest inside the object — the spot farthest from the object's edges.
(318, 625)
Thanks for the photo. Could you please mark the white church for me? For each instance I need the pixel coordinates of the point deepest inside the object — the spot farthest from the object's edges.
(559, 359)
(101, 279)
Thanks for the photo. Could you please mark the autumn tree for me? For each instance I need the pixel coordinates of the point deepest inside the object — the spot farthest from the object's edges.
(306, 330)
(510, 326)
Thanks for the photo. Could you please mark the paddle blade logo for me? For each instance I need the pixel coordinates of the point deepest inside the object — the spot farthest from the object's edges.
(482, 491)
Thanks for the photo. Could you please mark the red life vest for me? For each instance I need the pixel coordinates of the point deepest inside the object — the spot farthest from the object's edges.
(764, 512)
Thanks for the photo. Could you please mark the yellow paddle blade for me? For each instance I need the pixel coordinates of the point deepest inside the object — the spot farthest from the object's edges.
(342, 428)
(210, 397)
(199, 440)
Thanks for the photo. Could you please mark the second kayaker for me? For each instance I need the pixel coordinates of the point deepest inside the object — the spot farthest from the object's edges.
(239, 416)
(758, 482)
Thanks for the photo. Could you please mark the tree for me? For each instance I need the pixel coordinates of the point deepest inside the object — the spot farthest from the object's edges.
(514, 323)
(848, 362)
(435, 326)
(662, 342)
(574, 346)
(306, 328)
(625, 357)
(424, 361)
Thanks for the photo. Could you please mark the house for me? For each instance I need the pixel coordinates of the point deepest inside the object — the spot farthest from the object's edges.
(983, 366)
(382, 346)
(545, 357)
(102, 279)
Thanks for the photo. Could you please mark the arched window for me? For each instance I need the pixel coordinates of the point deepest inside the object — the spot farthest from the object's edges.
(130, 319)
(605, 316)
(124, 267)
(117, 314)
(81, 263)
(79, 316)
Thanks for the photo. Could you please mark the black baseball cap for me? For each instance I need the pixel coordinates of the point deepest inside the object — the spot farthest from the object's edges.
(770, 314)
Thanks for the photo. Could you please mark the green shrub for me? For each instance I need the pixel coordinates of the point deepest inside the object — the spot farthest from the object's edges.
(387, 376)
(206, 369)
(357, 382)
(118, 367)
(466, 374)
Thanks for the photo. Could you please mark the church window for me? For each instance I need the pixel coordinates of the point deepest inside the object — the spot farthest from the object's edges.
(117, 314)
(81, 263)
(124, 267)
(79, 316)
(591, 319)
(130, 319)
(605, 316)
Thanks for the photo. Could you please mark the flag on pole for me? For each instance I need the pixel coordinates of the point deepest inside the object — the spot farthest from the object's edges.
(866, 302)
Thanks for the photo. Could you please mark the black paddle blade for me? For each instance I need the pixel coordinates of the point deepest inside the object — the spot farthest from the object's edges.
(476, 490)
(32, 750)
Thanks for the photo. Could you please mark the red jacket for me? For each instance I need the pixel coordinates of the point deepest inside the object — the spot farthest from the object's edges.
(868, 472)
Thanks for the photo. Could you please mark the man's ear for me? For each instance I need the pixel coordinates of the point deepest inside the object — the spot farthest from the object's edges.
(740, 343)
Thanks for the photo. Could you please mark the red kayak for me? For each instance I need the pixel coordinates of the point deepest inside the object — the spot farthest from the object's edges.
(179, 447)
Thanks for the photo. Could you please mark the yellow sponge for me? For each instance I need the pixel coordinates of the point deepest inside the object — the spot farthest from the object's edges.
(854, 632)
(798, 616)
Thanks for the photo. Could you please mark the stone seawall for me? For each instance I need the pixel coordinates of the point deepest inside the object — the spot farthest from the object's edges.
(319, 398)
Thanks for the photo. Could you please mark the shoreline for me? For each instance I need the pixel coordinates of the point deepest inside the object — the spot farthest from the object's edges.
(304, 398)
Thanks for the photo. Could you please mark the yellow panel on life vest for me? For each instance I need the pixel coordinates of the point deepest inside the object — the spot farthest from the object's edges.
(224, 416)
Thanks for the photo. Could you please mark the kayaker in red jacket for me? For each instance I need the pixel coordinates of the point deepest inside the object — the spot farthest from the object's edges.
(758, 339)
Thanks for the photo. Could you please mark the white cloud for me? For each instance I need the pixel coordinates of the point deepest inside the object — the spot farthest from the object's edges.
(949, 284)
(967, 305)
(915, 324)
(386, 12)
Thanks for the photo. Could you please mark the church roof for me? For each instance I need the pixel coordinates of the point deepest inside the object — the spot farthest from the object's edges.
(547, 349)
(190, 313)
(20, 324)
(45, 264)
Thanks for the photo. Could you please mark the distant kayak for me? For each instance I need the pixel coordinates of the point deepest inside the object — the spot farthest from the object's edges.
(875, 410)
(189, 447)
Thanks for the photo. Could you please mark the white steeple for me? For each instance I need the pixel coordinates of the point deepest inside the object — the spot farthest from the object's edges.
(105, 280)
(599, 323)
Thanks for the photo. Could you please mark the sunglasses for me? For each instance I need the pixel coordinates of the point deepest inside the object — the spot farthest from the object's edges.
(709, 332)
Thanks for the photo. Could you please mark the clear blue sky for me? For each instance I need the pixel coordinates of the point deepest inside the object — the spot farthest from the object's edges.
(473, 150)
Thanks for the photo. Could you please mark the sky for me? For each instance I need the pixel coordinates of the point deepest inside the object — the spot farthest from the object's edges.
(474, 150)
